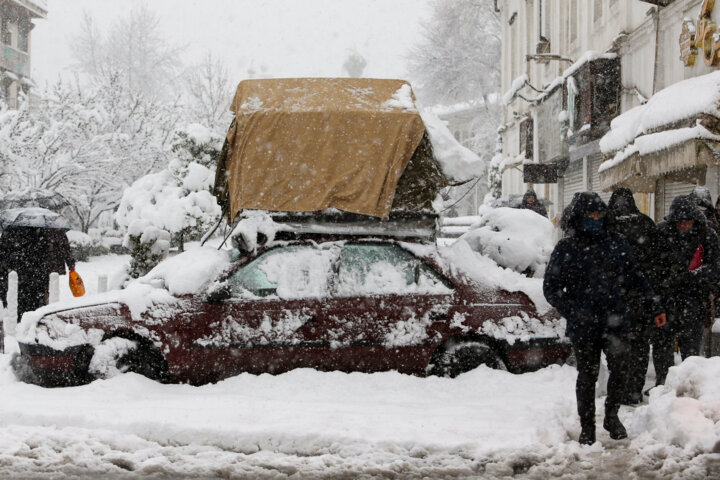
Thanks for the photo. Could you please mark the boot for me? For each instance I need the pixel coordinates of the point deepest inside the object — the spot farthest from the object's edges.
(614, 426)
(587, 435)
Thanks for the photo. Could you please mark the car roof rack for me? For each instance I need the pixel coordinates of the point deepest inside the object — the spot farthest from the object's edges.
(400, 224)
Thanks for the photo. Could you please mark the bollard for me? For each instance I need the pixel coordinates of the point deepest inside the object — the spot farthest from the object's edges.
(54, 290)
(102, 284)
(12, 299)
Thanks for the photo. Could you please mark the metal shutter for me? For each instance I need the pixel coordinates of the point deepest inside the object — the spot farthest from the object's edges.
(572, 181)
(672, 190)
(594, 162)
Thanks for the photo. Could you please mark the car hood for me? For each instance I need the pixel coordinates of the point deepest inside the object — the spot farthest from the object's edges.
(73, 322)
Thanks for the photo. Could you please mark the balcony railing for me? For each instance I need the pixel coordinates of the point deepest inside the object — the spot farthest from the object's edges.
(14, 60)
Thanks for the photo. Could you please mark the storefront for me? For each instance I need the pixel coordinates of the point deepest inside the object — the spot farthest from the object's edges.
(667, 146)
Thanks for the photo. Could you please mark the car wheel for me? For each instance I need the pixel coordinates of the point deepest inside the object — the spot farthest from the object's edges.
(144, 360)
(462, 356)
(128, 353)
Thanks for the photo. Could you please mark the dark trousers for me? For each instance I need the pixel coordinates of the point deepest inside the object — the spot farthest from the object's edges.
(689, 338)
(33, 292)
(638, 358)
(587, 355)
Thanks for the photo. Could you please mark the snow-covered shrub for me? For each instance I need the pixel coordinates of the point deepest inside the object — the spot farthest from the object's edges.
(177, 200)
(83, 246)
(513, 238)
(148, 245)
(197, 143)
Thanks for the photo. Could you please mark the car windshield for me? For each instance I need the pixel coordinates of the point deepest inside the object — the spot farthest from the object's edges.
(300, 271)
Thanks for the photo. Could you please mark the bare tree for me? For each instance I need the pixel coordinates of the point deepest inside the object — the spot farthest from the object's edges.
(133, 49)
(210, 91)
(459, 57)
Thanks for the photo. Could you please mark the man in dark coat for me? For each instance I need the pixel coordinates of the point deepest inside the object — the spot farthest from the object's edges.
(33, 253)
(587, 278)
(689, 258)
(531, 202)
(624, 218)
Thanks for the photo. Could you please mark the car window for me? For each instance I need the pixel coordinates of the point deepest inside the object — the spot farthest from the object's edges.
(287, 272)
(376, 269)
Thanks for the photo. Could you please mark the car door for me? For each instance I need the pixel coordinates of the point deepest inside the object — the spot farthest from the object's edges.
(268, 323)
(383, 303)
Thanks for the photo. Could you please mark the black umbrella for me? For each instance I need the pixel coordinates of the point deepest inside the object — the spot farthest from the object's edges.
(33, 217)
(34, 197)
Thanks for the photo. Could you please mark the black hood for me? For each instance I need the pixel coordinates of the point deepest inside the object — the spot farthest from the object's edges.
(528, 194)
(702, 197)
(684, 207)
(581, 204)
(622, 203)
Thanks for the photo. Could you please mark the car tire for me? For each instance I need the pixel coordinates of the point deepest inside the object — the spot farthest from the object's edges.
(461, 356)
(143, 358)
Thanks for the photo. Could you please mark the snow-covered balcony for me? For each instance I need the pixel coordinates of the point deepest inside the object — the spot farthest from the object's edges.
(14, 60)
(675, 135)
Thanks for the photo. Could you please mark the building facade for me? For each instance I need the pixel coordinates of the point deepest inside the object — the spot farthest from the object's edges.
(16, 24)
(571, 67)
(463, 121)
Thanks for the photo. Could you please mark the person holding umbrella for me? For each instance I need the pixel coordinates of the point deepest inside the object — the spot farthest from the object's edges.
(33, 244)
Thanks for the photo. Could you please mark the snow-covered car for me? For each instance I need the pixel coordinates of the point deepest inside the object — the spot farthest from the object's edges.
(330, 303)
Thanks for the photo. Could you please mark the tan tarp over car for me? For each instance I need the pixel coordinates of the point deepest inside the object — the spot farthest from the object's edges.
(309, 144)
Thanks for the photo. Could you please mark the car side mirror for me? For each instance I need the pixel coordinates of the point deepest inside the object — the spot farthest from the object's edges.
(218, 293)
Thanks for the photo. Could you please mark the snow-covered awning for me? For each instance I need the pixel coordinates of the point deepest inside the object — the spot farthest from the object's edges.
(676, 134)
(682, 162)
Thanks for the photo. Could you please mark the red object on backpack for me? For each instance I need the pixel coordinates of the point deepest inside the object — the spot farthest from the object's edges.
(697, 258)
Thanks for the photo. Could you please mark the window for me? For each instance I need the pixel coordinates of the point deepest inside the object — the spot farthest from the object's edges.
(289, 273)
(377, 269)
(597, 10)
(23, 38)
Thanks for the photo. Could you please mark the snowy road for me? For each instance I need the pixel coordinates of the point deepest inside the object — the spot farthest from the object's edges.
(308, 424)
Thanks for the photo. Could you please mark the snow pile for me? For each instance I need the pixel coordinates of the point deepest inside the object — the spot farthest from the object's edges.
(680, 101)
(402, 99)
(514, 238)
(686, 410)
(254, 225)
(484, 271)
(456, 161)
(189, 272)
(103, 363)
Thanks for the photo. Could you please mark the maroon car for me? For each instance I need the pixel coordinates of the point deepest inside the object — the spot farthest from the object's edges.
(349, 304)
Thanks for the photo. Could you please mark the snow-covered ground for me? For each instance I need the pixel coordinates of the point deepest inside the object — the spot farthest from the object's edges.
(308, 424)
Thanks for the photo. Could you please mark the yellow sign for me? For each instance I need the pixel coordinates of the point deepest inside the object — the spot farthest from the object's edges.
(707, 38)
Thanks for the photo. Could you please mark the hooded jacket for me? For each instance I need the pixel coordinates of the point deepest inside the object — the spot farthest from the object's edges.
(590, 274)
(677, 249)
(624, 218)
(537, 207)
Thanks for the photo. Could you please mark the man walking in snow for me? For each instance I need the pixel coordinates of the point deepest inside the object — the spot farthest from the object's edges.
(589, 274)
(689, 259)
(624, 218)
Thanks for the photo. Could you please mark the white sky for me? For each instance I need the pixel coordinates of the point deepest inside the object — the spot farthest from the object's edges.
(282, 37)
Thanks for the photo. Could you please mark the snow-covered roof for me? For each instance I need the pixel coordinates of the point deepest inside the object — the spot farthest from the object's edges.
(684, 100)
